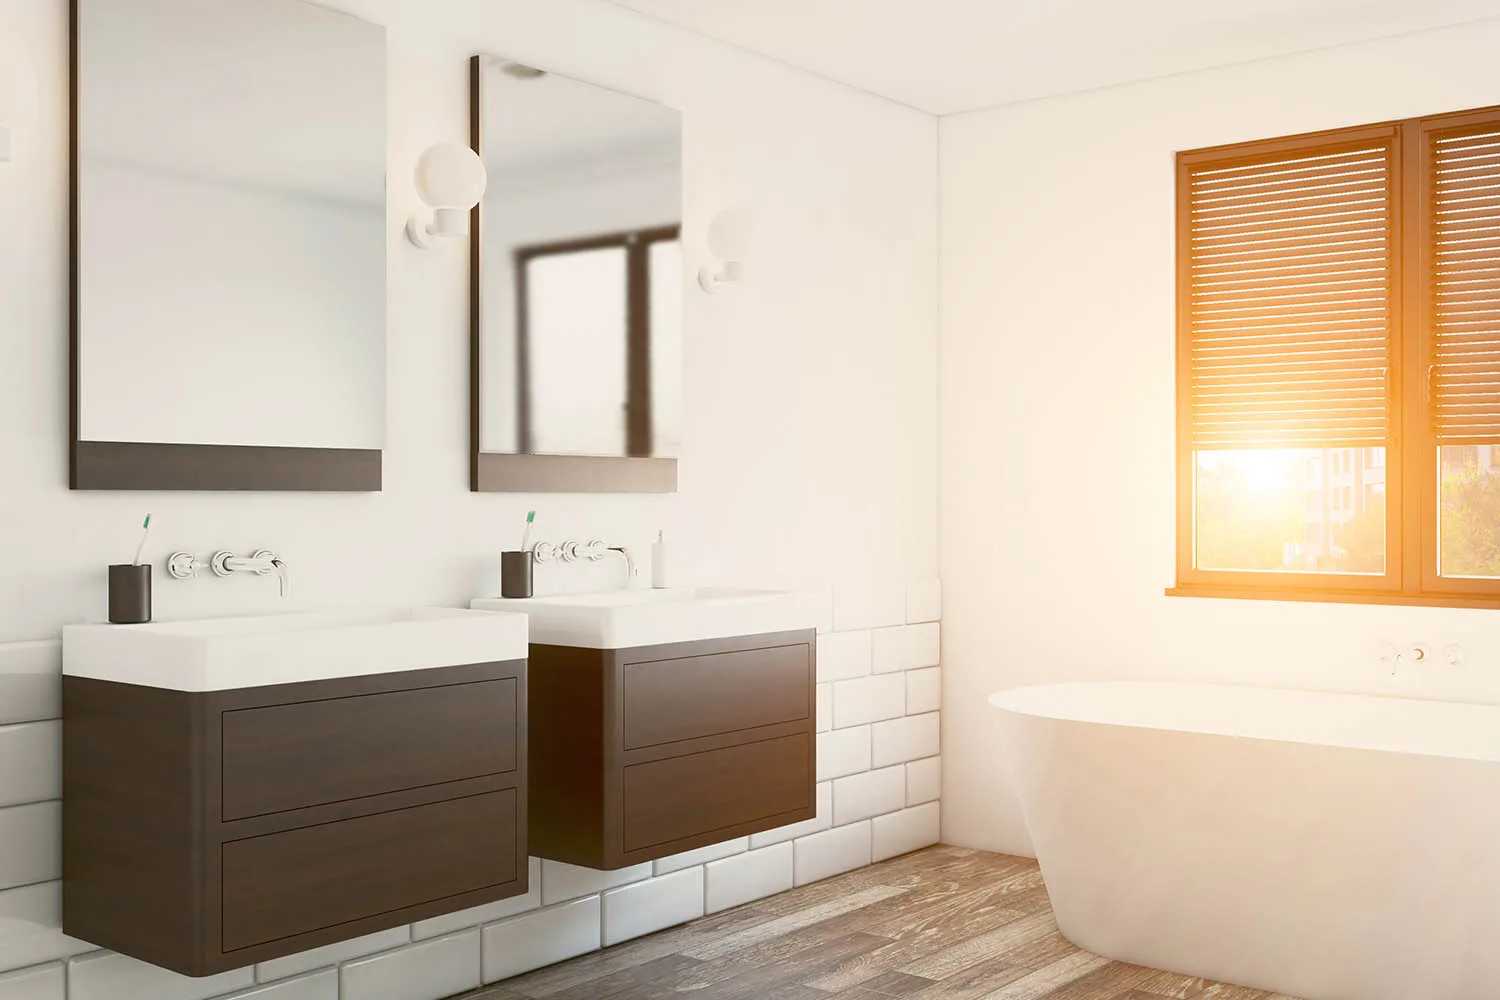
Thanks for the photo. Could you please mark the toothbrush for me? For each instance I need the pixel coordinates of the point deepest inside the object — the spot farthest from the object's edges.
(145, 533)
(526, 535)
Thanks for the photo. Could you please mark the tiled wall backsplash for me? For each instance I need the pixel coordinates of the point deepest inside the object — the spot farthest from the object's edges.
(879, 781)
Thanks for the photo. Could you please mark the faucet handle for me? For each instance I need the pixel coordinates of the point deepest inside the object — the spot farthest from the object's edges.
(594, 550)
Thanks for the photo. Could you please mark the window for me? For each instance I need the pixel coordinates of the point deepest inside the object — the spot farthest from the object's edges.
(1339, 364)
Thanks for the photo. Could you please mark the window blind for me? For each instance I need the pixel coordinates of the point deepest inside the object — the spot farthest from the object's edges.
(1288, 298)
(1463, 226)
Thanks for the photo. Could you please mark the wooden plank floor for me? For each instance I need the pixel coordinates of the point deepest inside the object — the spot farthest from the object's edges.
(942, 924)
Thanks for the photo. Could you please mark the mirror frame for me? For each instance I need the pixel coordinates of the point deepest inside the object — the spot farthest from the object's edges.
(132, 465)
(505, 472)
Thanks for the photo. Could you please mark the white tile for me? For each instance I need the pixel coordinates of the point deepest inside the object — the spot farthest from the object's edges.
(906, 647)
(30, 763)
(825, 707)
(318, 986)
(868, 604)
(333, 954)
(905, 831)
(924, 690)
(831, 852)
(868, 699)
(30, 844)
(861, 796)
(107, 976)
(901, 740)
(44, 982)
(702, 855)
(748, 877)
(31, 927)
(924, 781)
(30, 681)
(562, 882)
(431, 970)
(843, 751)
(650, 906)
(487, 913)
(822, 821)
(924, 600)
(842, 655)
(541, 937)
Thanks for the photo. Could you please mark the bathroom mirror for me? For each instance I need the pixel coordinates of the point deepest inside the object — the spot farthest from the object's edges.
(229, 242)
(578, 282)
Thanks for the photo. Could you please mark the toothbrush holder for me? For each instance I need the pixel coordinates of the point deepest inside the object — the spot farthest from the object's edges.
(130, 593)
(515, 574)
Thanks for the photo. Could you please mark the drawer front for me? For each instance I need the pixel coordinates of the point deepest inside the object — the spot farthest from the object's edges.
(291, 883)
(693, 696)
(679, 797)
(285, 757)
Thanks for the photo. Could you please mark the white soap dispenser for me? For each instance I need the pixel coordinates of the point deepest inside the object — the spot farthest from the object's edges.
(660, 573)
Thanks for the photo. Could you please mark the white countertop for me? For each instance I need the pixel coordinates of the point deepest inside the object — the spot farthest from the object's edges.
(221, 654)
(622, 619)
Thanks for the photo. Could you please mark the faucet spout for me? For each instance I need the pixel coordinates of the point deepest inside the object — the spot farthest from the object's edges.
(630, 568)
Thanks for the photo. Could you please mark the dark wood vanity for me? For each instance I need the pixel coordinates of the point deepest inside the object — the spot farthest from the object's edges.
(205, 831)
(641, 753)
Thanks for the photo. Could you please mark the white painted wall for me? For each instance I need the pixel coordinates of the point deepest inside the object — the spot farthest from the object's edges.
(1057, 402)
(809, 455)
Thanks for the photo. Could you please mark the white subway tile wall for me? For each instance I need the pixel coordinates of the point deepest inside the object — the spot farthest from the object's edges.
(30, 844)
(904, 832)
(901, 740)
(879, 782)
(431, 970)
(652, 905)
(43, 982)
(924, 781)
(322, 985)
(702, 856)
(906, 647)
(541, 937)
(333, 954)
(106, 976)
(843, 751)
(748, 877)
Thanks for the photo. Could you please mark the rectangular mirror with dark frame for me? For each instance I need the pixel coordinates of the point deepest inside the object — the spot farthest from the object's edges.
(577, 286)
(229, 246)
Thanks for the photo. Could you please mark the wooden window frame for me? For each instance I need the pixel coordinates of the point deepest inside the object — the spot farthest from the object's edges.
(1412, 498)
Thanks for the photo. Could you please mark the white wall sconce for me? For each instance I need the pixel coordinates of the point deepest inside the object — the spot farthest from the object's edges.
(729, 243)
(451, 179)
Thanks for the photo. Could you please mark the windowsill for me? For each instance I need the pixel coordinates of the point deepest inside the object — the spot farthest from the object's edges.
(1334, 596)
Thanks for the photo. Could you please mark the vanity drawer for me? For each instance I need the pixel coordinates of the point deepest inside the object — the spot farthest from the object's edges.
(688, 697)
(696, 794)
(298, 881)
(290, 756)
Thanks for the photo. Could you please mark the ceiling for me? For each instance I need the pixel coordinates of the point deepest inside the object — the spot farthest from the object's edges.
(949, 56)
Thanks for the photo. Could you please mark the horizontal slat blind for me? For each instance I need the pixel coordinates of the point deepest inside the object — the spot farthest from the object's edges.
(1289, 299)
(1464, 290)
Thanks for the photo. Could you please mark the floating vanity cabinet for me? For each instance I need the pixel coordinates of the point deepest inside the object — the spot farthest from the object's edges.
(647, 751)
(206, 830)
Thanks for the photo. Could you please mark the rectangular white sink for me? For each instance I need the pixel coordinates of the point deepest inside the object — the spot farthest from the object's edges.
(625, 618)
(220, 654)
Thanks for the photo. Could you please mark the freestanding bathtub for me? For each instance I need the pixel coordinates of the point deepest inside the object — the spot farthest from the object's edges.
(1326, 846)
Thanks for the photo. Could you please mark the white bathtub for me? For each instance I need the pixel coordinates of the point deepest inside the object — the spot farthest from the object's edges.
(1327, 846)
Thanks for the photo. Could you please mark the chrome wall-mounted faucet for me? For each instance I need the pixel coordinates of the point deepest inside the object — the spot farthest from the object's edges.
(574, 550)
(264, 562)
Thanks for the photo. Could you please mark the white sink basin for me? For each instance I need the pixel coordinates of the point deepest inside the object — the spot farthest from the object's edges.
(624, 618)
(219, 654)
